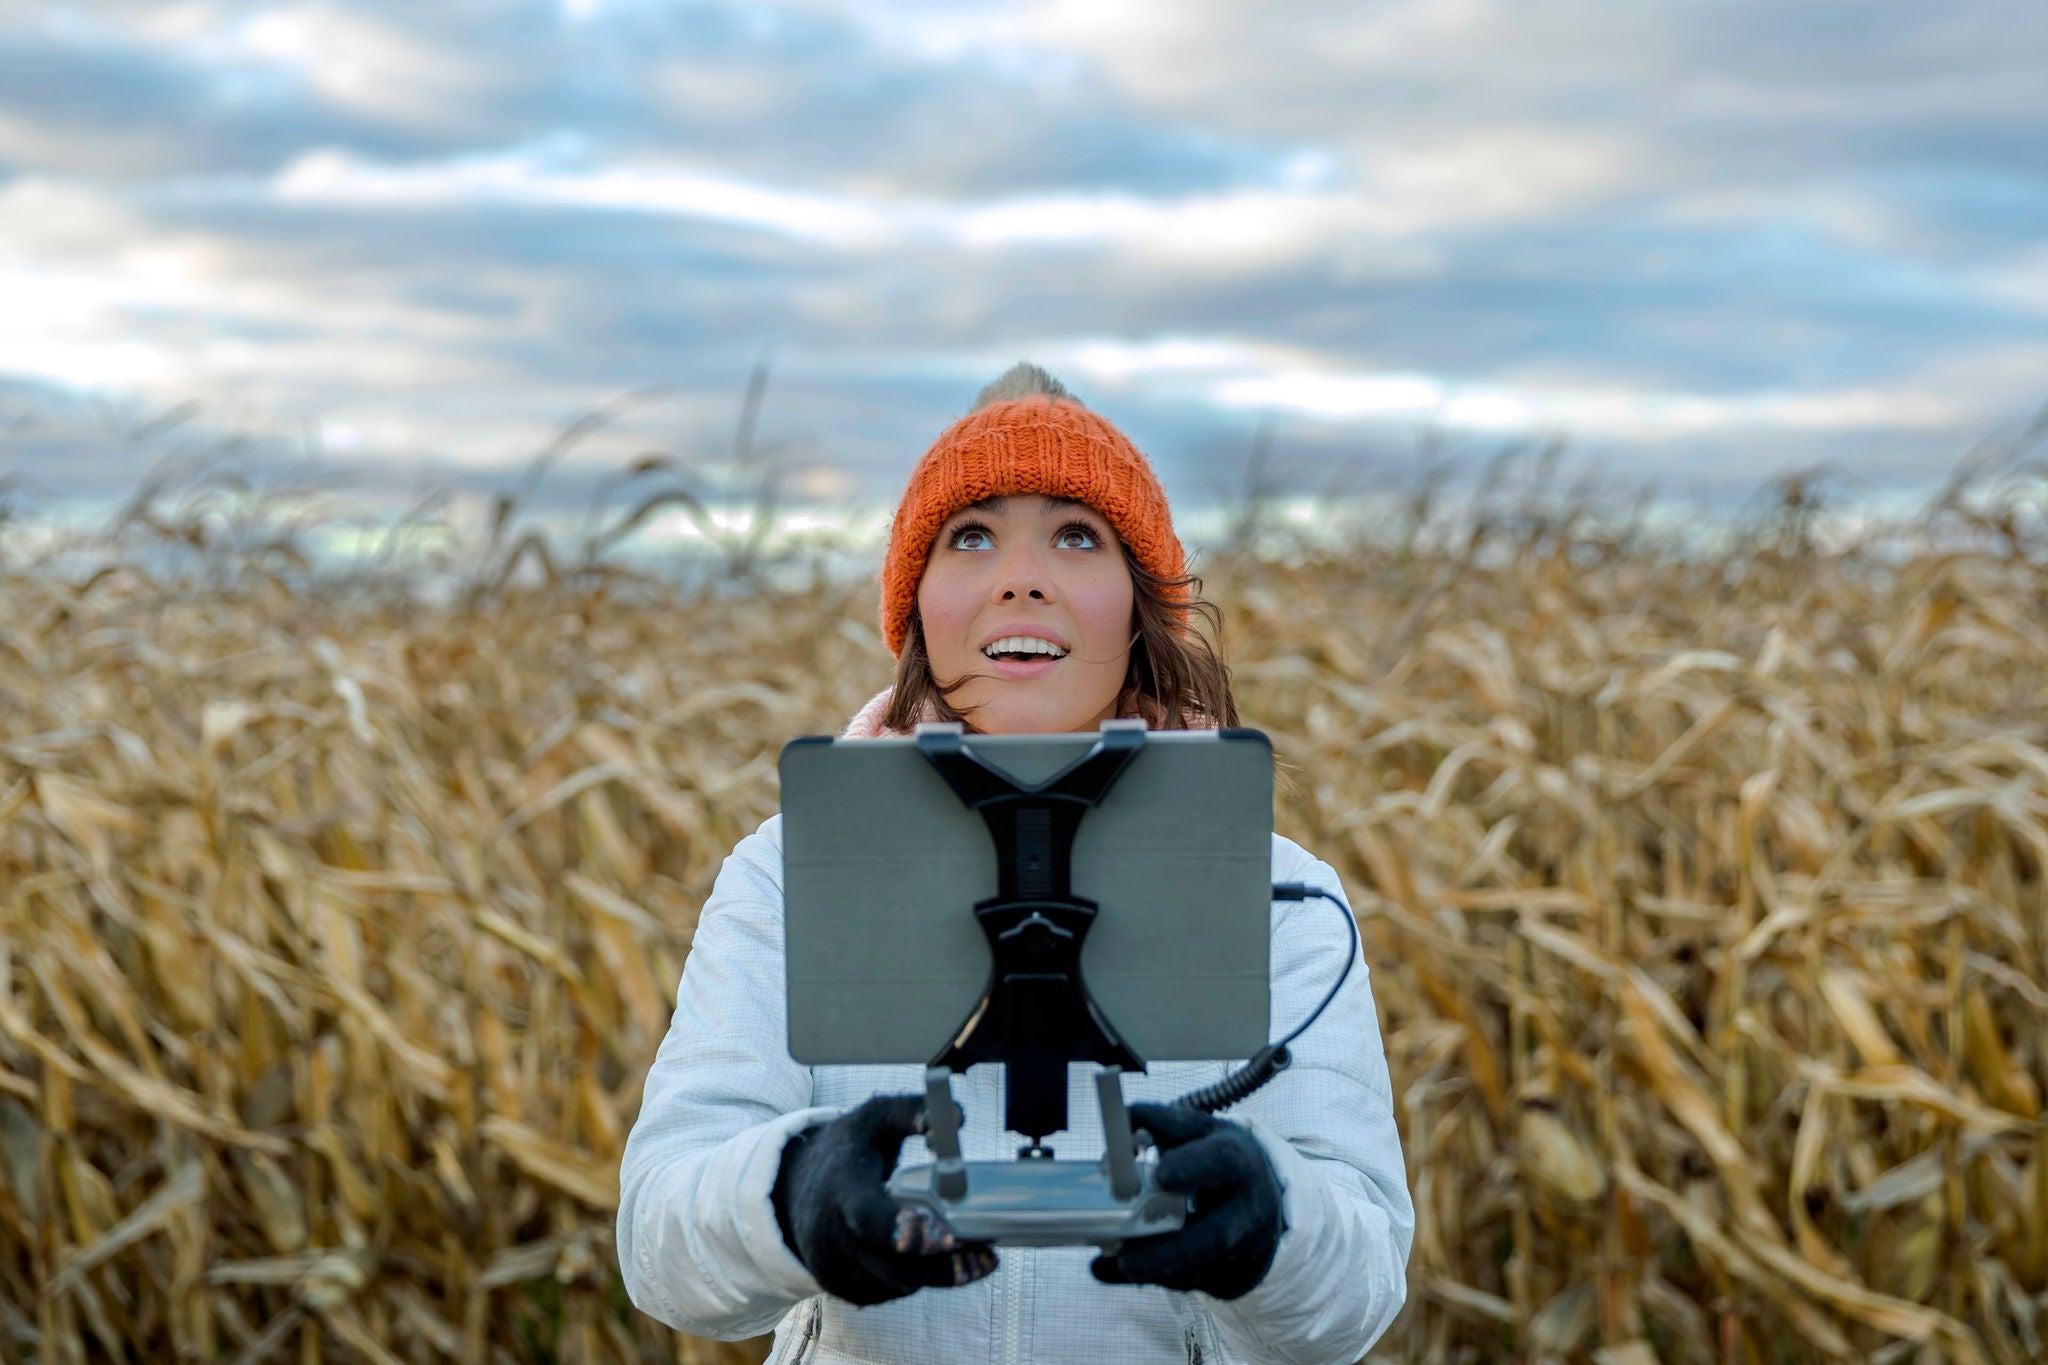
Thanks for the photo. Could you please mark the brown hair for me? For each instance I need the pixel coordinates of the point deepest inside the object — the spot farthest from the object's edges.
(1175, 680)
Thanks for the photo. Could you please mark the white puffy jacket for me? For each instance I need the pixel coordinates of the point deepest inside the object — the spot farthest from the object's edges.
(700, 1248)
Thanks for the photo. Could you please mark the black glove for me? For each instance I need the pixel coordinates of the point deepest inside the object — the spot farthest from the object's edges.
(1227, 1244)
(837, 1216)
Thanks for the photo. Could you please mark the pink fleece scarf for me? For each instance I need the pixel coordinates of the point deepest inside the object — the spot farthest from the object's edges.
(867, 722)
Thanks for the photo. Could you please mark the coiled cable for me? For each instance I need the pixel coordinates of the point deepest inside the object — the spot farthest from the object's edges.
(1270, 1060)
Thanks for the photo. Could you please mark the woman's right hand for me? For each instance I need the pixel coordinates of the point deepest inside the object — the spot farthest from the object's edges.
(860, 1244)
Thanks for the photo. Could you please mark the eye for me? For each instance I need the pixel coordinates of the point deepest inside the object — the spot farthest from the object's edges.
(1080, 528)
(966, 529)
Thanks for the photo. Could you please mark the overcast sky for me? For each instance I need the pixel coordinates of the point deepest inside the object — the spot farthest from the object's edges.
(1707, 241)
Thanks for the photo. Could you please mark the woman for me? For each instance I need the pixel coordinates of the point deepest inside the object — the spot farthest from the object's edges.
(1033, 584)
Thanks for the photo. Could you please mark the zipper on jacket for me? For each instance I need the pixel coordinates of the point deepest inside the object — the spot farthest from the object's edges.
(1194, 1346)
(811, 1324)
(1013, 1309)
(1011, 1266)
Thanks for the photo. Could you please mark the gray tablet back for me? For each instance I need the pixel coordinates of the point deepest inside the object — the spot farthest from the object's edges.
(882, 865)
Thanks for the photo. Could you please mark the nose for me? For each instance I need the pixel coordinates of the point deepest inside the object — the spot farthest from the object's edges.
(1023, 575)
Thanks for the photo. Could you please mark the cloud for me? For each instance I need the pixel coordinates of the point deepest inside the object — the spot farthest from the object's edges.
(1203, 232)
(134, 104)
(1632, 414)
(1704, 237)
(335, 178)
(1746, 90)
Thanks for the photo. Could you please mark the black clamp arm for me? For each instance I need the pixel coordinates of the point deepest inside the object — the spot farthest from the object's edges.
(1036, 1014)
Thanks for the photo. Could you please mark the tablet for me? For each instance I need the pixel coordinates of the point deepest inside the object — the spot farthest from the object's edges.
(883, 864)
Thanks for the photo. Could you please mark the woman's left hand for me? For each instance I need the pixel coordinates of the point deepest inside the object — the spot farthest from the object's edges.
(1227, 1243)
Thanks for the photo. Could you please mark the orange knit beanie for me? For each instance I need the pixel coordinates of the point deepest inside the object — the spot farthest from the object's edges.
(1035, 444)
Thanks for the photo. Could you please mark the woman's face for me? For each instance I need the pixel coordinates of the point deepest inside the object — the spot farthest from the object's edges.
(1037, 566)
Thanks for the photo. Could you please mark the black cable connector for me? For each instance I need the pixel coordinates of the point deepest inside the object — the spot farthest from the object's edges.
(1270, 1060)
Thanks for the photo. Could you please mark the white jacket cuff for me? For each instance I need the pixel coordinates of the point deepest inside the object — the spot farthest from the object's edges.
(1330, 1292)
(714, 1253)
(759, 1231)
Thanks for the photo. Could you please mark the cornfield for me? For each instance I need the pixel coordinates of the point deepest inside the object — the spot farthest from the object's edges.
(1704, 898)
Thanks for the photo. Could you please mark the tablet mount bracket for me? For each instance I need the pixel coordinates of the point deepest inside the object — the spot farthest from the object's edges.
(1035, 1015)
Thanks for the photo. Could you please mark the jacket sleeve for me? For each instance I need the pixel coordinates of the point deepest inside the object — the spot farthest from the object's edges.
(699, 1247)
(1327, 1122)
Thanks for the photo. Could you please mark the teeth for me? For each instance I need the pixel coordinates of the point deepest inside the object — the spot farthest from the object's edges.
(1023, 644)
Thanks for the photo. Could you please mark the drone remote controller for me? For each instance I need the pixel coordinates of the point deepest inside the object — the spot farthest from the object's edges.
(1036, 1200)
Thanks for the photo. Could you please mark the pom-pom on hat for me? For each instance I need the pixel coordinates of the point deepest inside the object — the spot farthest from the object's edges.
(1027, 434)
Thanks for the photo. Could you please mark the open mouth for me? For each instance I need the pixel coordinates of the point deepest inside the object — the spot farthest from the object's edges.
(1022, 656)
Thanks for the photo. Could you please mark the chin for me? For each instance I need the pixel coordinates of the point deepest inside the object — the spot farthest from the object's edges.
(1017, 715)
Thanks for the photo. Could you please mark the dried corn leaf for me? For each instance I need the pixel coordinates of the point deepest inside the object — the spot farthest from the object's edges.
(145, 1092)
(23, 1146)
(1465, 1298)
(1635, 1352)
(1762, 1263)
(1558, 1159)
(275, 1195)
(588, 1178)
(1996, 1070)
(1851, 1007)
(1565, 1324)
(1908, 1084)
(183, 1189)
(84, 814)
